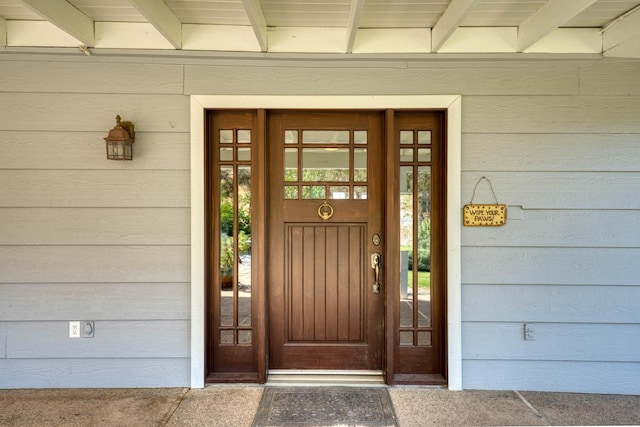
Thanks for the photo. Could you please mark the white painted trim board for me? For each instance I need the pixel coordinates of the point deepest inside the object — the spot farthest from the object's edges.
(451, 103)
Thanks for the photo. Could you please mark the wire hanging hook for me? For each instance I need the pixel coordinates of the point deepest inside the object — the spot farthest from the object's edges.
(490, 186)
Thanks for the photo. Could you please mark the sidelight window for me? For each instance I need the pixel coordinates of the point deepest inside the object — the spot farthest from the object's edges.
(415, 238)
(234, 245)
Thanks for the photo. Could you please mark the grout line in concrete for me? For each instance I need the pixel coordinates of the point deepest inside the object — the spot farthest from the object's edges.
(174, 407)
(530, 406)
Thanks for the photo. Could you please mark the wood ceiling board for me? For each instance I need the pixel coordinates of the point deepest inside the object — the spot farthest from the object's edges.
(288, 13)
(398, 20)
(213, 12)
(601, 13)
(489, 13)
(15, 9)
(113, 10)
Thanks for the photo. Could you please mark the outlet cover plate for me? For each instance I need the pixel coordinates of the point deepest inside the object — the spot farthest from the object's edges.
(74, 329)
(88, 329)
(529, 332)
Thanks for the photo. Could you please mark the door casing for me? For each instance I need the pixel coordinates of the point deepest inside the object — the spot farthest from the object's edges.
(450, 103)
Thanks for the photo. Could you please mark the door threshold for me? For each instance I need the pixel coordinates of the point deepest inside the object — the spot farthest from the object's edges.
(315, 377)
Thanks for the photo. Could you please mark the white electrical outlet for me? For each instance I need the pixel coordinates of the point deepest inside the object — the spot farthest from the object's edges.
(74, 329)
(529, 332)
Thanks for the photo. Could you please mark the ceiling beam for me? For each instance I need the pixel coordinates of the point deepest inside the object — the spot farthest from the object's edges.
(622, 30)
(548, 18)
(353, 22)
(450, 21)
(162, 18)
(258, 21)
(65, 16)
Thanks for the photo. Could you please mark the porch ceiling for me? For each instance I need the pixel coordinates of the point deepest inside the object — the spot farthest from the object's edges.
(606, 27)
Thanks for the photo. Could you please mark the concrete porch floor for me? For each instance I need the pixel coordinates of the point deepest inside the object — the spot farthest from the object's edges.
(236, 405)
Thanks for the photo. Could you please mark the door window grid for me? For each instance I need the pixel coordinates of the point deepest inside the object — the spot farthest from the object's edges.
(234, 249)
(325, 164)
(415, 242)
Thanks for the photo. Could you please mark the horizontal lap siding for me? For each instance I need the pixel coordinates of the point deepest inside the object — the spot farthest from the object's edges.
(551, 114)
(587, 377)
(94, 301)
(113, 339)
(94, 226)
(554, 303)
(72, 264)
(94, 188)
(558, 228)
(540, 265)
(94, 373)
(86, 150)
(566, 261)
(333, 78)
(84, 238)
(90, 112)
(553, 342)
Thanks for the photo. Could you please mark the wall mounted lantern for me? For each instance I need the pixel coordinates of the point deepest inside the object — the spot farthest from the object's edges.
(120, 141)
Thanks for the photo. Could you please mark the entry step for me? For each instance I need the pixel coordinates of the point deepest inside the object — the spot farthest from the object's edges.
(289, 377)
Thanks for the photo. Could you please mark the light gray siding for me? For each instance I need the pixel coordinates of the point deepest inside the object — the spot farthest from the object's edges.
(83, 238)
(568, 167)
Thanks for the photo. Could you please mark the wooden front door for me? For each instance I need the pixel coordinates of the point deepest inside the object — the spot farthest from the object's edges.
(325, 199)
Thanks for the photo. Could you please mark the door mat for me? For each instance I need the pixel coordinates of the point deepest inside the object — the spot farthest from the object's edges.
(324, 406)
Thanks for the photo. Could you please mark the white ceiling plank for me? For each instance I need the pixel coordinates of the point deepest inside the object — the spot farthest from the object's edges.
(546, 19)
(3, 32)
(628, 49)
(65, 16)
(449, 21)
(258, 21)
(130, 35)
(38, 34)
(353, 22)
(306, 40)
(162, 18)
(569, 40)
(393, 40)
(223, 38)
(481, 40)
(622, 31)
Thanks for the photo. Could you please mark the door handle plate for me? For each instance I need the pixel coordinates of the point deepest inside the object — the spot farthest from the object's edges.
(376, 265)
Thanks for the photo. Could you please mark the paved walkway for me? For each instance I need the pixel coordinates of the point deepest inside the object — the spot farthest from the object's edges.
(235, 406)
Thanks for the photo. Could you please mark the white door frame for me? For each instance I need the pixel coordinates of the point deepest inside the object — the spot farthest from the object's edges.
(453, 106)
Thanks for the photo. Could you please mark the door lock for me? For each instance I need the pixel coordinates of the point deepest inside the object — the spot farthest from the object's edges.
(376, 264)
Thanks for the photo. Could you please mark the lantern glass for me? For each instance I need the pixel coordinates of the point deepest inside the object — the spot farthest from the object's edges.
(119, 150)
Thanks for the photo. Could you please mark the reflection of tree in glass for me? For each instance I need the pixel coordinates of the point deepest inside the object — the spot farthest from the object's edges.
(291, 174)
(422, 216)
(314, 192)
(242, 219)
(360, 175)
(325, 175)
(226, 201)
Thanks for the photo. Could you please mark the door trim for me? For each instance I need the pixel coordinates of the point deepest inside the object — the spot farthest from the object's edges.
(452, 104)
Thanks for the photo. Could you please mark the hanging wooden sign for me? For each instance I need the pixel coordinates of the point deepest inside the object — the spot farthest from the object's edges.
(487, 215)
(474, 215)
